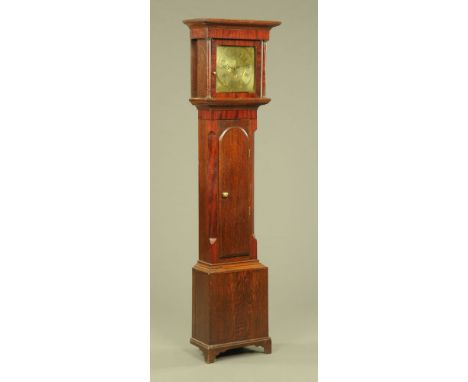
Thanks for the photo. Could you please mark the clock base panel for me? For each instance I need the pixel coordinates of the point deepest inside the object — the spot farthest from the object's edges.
(229, 307)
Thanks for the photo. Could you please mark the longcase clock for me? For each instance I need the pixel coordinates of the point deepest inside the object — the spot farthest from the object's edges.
(230, 285)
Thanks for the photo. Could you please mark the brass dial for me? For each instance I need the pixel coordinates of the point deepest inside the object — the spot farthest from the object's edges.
(235, 70)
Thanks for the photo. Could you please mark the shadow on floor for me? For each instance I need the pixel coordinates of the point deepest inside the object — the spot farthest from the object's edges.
(245, 350)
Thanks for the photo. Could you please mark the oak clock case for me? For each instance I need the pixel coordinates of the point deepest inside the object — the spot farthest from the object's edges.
(229, 284)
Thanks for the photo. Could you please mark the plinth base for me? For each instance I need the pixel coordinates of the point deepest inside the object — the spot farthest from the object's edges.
(212, 351)
(230, 307)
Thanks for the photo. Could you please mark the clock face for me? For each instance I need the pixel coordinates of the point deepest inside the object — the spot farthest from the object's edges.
(235, 69)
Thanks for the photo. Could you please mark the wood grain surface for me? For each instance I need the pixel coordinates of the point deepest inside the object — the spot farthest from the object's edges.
(229, 284)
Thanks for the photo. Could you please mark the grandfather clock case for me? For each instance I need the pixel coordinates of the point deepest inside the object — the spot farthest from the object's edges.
(230, 285)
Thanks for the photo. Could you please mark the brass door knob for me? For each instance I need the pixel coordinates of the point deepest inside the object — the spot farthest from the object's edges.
(225, 194)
